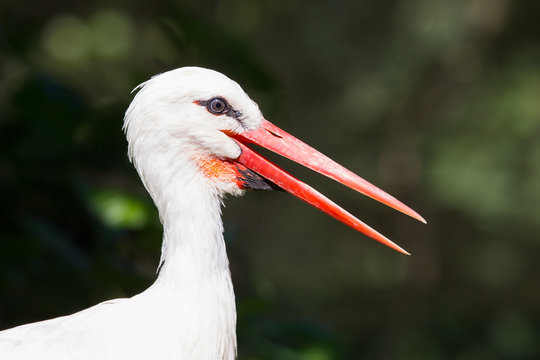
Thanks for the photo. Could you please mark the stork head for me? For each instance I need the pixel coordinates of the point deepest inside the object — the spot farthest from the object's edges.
(184, 113)
(195, 120)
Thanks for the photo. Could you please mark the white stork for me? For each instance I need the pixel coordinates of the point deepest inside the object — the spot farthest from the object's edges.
(188, 131)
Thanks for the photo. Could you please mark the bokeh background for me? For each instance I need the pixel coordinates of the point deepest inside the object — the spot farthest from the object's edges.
(437, 102)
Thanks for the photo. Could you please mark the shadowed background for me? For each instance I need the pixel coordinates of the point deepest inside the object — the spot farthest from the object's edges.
(436, 102)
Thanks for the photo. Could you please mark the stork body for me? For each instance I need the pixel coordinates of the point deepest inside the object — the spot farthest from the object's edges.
(189, 310)
(187, 131)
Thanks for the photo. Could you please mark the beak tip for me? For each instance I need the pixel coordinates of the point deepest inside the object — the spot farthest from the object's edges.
(416, 216)
(403, 251)
(385, 241)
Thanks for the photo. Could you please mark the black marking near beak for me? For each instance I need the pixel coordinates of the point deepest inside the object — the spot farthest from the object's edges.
(253, 181)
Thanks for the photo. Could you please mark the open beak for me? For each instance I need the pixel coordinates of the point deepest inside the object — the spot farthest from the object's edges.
(273, 138)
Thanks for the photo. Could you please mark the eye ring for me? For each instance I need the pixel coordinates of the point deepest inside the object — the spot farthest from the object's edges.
(217, 106)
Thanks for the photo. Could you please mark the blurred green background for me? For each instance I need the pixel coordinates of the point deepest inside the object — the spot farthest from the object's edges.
(437, 102)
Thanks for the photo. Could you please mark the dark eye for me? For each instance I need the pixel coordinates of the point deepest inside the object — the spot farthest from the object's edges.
(217, 106)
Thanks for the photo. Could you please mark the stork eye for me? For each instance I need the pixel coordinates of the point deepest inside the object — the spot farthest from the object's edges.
(217, 106)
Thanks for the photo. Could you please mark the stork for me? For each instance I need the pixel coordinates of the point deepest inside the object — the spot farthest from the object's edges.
(189, 132)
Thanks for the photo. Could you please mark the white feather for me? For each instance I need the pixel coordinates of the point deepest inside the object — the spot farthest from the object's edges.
(189, 312)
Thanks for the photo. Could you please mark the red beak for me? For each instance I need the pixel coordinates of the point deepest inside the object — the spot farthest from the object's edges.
(273, 138)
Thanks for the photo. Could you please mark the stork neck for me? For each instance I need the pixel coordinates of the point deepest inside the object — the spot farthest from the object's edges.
(194, 282)
(193, 245)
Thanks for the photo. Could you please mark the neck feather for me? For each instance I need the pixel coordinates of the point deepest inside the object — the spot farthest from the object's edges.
(193, 244)
(194, 270)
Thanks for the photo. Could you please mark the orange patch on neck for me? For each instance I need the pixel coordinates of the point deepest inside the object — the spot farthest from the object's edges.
(222, 170)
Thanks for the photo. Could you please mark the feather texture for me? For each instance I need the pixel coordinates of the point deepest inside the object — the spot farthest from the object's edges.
(189, 312)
